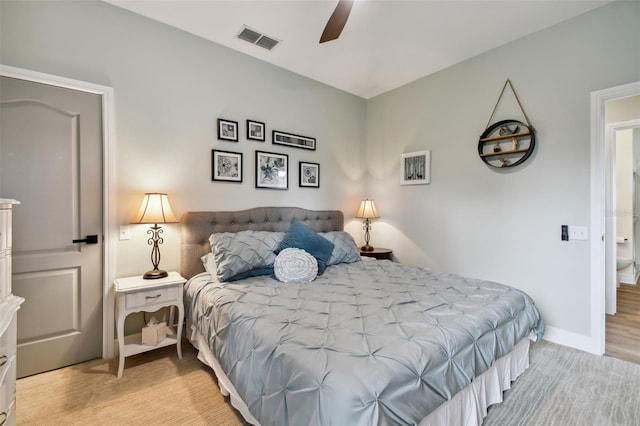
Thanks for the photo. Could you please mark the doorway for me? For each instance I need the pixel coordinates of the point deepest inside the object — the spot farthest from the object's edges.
(622, 152)
(108, 189)
(600, 227)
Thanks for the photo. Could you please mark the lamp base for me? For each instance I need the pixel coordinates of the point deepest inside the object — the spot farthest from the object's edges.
(155, 274)
(367, 247)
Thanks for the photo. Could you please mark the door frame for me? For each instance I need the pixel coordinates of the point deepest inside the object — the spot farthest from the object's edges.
(611, 221)
(108, 187)
(598, 212)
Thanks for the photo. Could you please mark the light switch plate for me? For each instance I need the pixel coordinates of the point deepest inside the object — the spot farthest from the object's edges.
(578, 233)
(125, 232)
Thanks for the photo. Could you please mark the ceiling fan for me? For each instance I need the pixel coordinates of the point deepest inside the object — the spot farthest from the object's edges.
(337, 21)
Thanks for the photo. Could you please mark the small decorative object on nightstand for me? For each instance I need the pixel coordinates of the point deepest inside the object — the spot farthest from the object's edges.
(367, 211)
(135, 294)
(378, 253)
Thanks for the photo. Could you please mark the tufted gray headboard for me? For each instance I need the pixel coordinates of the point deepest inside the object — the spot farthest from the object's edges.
(198, 226)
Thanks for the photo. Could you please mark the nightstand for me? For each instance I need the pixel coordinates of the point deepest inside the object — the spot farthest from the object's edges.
(378, 253)
(135, 294)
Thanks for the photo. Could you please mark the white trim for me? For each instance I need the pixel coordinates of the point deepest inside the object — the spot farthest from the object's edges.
(611, 225)
(596, 341)
(610, 222)
(567, 338)
(109, 209)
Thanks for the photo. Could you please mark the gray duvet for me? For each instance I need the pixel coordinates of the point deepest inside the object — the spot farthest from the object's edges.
(366, 343)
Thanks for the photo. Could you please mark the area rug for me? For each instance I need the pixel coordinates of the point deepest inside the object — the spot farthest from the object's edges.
(566, 387)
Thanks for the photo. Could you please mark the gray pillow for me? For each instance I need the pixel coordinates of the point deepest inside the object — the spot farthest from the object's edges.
(344, 250)
(209, 262)
(244, 254)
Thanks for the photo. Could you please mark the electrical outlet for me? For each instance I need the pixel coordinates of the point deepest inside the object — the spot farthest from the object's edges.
(125, 232)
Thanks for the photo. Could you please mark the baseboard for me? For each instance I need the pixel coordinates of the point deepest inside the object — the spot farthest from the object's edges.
(573, 340)
(627, 278)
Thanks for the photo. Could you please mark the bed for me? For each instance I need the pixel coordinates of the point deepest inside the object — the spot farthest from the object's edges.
(369, 342)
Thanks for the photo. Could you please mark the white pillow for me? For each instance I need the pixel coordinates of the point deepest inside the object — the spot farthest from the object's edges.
(295, 266)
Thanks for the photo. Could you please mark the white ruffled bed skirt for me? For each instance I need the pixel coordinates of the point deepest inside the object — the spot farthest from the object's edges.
(467, 408)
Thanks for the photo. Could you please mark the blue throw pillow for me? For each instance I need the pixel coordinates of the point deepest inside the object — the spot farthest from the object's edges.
(302, 237)
(252, 273)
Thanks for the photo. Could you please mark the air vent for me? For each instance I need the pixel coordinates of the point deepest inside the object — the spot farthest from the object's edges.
(257, 38)
(267, 42)
(249, 35)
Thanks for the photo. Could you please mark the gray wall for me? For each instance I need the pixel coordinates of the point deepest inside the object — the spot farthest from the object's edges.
(169, 89)
(504, 225)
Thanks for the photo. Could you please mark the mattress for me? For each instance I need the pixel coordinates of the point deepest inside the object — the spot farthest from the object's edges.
(371, 342)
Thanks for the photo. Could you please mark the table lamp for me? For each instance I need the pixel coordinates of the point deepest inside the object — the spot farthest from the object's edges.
(155, 209)
(367, 211)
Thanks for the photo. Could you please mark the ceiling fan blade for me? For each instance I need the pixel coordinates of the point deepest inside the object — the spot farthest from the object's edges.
(337, 21)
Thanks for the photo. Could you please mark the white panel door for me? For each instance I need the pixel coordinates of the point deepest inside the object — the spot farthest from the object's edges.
(51, 160)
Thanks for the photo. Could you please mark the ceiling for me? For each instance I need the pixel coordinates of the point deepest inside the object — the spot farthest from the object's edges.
(385, 43)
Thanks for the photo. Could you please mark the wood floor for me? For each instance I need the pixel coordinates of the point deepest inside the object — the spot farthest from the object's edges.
(623, 328)
(156, 389)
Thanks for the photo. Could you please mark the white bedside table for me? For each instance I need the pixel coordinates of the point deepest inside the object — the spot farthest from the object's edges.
(135, 294)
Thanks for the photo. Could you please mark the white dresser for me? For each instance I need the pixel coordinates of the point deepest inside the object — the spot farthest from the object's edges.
(9, 305)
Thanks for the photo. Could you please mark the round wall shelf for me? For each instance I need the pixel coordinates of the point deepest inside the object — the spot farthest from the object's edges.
(506, 143)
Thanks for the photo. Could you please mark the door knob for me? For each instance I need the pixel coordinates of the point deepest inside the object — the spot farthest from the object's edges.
(91, 239)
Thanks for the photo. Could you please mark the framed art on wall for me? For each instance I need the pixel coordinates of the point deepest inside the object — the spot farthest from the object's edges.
(226, 166)
(309, 175)
(227, 130)
(296, 141)
(415, 168)
(272, 170)
(255, 131)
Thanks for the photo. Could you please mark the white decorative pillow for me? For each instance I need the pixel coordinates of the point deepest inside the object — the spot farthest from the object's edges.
(244, 254)
(295, 266)
(344, 247)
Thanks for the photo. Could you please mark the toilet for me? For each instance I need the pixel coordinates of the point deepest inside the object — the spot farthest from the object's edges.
(621, 262)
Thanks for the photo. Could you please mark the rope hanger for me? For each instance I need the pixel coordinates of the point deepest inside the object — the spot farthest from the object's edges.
(508, 82)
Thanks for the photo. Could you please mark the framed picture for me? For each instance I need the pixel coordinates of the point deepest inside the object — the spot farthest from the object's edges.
(296, 141)
(415, 168)
(272, 170)
(226, 166)
(309, 175)
(227, 130)
(255, 131)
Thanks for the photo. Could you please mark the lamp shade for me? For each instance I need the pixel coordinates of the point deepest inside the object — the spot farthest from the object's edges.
(367, 210)
(155, 209)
